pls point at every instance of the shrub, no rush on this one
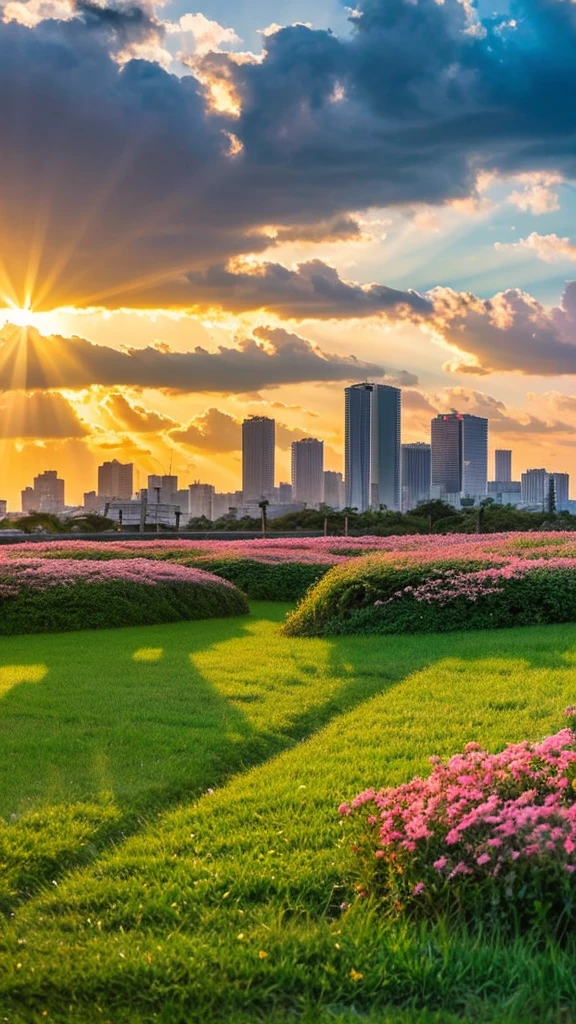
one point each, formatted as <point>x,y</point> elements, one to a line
<point>265,581</point>
<point>486,834</point>
<point>372,595</point>
<point>52,596</point>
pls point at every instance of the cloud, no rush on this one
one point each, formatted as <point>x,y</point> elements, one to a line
<point>29,360</point>
<point>402,379</point>
<point>502,419</point>
<point>311,290</point>
<point>510,332</point>
<point>38,415</point>
<point>206,34</point>
<point>214,431</point>
<point>119,414</point>
<point>537,196</point>
<point>218,432</point>
<point>119,185</point>
<point>549,248</point>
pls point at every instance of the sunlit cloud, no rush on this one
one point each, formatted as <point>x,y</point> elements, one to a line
<point>539,195</point>
<point>549,248</point>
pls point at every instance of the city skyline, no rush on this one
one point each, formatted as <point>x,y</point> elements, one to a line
<point>379,471</point>
<point>183,254</point>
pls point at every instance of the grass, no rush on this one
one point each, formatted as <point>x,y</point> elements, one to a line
<point>139,896</point>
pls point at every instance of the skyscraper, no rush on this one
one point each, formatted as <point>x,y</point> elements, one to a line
<point>415,474</point>
<point>357,429</point>
<point>334,492</point>
<point>284,493</point>
<point>446,453</point>
<point>503,465</point>
<point>162,489</point>
<point>372,446</point>
<point>92,503</point>
<point>258,442</point>
<point>475,456</point>
<point>534,487</point>
<point>385,446</point>
<point>459,455</point>
<point>201,500</point>
<point>308,472</point>
<point>561,489</point>
<point>47,495</point>
<point>115,480</point>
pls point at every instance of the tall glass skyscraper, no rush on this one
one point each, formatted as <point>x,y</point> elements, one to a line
<point>372,446</point>
<point>446,453</point>
<point>460,455</point>
<point>258,444</point>
<point>475,456</point>
<point>415,474</point>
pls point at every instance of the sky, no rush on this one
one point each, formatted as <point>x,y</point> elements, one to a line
<point>234,209</point>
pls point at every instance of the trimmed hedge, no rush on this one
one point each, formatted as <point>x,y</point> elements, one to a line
<point>259,580</point>
<point>97,597</point>
<point>369,596</point>
<point>263,581</point>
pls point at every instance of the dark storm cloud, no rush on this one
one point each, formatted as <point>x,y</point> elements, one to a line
<point>120,187</point>
<point>28,360</point>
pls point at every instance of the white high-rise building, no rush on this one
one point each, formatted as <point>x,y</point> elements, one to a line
<point>201,500</point>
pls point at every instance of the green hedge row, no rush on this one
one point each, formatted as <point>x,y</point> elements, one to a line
<point>359,599</point>
<point>262,581</point>
<point>90,605</point>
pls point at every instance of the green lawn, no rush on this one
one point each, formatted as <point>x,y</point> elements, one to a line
<point>140,896</point>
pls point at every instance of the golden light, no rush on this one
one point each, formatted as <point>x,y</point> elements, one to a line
<point>20,316</point>
<point>25,316</point>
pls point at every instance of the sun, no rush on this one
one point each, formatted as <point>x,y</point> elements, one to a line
<point>25,316</point>
<point>20,316</point>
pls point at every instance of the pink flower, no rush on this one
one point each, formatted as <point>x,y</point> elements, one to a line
<point>484,858</point>
<point>440,863</point>
<point>418,888</point>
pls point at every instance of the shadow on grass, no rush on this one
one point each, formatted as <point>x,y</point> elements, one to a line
<point>100,732</point>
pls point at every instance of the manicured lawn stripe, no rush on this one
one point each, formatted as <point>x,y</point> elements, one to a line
<point>170,925</point>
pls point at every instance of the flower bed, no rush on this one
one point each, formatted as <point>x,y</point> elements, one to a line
<point>373,595</point>
<point>285,568</point>
<point>488,834</point>
<point>50,595</point>
<point>326,551</point>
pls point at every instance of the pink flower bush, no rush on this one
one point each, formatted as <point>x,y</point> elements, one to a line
<point>39,595</point>
<point>497,548</point>
<point>41,573</point>
<point>451,584</point>
<point>483,830</point>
